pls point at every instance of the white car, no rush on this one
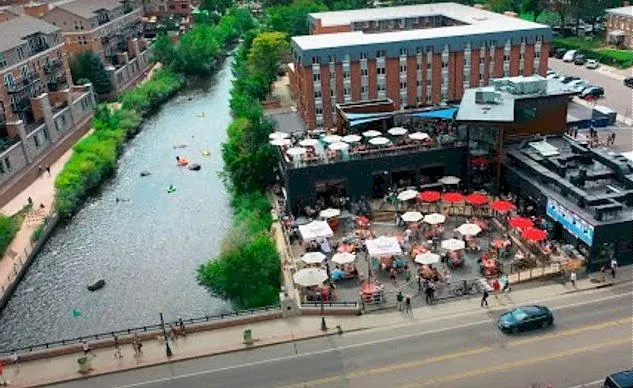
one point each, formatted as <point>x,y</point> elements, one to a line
<point>570,56</point>
<point>592,64</point>
<point>578,85</point>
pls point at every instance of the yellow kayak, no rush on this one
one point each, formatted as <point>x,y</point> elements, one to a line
<point>206,153</point>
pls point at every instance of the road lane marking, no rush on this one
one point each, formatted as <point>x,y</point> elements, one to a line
<point>589,384</point>
<point>345,347</point>
<point>577,330</point>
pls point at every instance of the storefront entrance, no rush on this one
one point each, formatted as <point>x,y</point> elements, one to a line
<point>332,193</point>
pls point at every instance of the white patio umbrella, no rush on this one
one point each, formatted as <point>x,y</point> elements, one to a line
<point>450,180</point>
<point>407,195</point>
<point>332,138</point>
<point>309,277</point>
<point>280,142</point>
<point>329,213</point>
<point>308,142</point>
<point>313,258</point>
<point>469,229</point>
<point>278,135</point>
<point>383,246</point>
<point>343,258</point>
<point>434,218</point>
<point>296,151</point>
<point>427,258</point>
<point>338,146</point>
<point>398,131</point>
<point>352,138</point>
<point>412,216</point>
<point>371,133</point>
<point>314,230</point>
<point>419,136</point>
<point>453,244</point>
<point>379,140</point>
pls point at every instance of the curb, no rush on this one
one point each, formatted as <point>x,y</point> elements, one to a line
<point>329,333</point>
<point>597,287</point>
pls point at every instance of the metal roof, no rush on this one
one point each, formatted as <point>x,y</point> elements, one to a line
<point>621,11</point>
<point>87,8</point>
<point>13,31</point>
<point>469,110</point>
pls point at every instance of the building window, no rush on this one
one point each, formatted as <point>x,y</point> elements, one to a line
<point>380,54</point>
<point>429,99</point>
<point>403,68</point>
<point>428,82</point>
<point>3,60</point>
<point>319,110</point>
<point>506,57</point>
<point>345,73</point>
<point>403,52</point>
<point>537,54</point>
<point>316,77</point>
<point>363,90</point>
<point>482,61</point>
<point>347,91</point>
<point>331,92</point>
<point>20,51</point>
<point>444,65</point>
<point>346,58</point>
<point>418,83</point>
<point>364,72</point>
<point>363,55</point>
<point>418,66</point>
<point>481,77</point>
<point>403,85</point>
<point>315,60</point>
<point>317,94</point>
<point>7,163</point>
<point>521,56</point>
<point>332,58</point>
<point>444,96</point>
<point>381,87</point>
<point>380,70</point>
<point>428,65</point>
<point>36,141</point>
<point>9,80</point>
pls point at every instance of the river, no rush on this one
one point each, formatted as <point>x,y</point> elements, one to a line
<point>146,247</point>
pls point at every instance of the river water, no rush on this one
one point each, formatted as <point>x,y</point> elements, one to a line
<point>146,247</point>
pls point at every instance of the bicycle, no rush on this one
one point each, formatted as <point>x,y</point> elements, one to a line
<point>465,288</point>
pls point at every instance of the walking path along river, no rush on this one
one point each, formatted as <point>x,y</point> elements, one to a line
<point>146,246</point>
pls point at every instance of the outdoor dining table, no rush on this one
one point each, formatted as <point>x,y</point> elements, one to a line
<point>349,248</point>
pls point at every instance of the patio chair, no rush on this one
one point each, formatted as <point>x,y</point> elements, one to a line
<point>468,211</point>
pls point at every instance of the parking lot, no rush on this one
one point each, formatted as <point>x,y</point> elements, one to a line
<point>616,96</point>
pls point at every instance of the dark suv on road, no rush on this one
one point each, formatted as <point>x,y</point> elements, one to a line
<point>628,81</point>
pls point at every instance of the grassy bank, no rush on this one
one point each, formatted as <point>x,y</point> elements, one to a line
<point>9,227</point>
<point>596,49</point>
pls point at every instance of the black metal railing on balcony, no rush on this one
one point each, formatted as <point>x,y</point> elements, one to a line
<point>53,67</point>
<point>39,47</point>
<point>23,83</point>
<point>57,84</point>
<point>21,105</point>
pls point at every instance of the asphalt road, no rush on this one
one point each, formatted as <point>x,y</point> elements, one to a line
<point>591,338</point>
<point>616,96</point>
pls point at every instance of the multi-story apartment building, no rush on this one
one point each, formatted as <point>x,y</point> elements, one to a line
<point>620,26</point>
<point>40,110</point>
<point>415,55</point>
<point>168,7</point>
<point>109,28</point>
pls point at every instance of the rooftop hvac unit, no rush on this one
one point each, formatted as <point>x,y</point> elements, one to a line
<point>487,97</point>
<point>528,86</point>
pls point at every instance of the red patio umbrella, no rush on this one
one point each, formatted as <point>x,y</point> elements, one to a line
<point>479,161</point>
<point>521,222</point>
<point>452,197</point>
<point>429,196</point>
<point>503,206</point>
<point>477,199</point>
<point>534,234</point>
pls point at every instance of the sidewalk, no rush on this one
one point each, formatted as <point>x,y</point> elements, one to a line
<point>619,117</point>
<point>615,73</point>
<point>42,191</point>
<point>277,331</point>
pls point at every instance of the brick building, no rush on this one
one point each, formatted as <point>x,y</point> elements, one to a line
<point>620,26</point>
<point>39,107</point>
<point>110,28</point>
<point>415,55</point>
<point>168,7</point>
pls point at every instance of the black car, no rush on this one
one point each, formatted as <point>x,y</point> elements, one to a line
<point>628,81</point>
<point>580,60</point>
<point>568,79</point>
<point>525,318</point>
<point>592,91</point>
<point>559,53</point>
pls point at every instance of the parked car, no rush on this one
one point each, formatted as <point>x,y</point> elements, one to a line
<point>592,91</point>
<point>525,318</point>
<point>570,56</point>
<point>628,81</point>
<point>560,53</point>
<point>550,72</point>
<point>580,60</point>
<point>567,79</point>
<point>579,85</point>
<point>592,64</point>
<point>619,380</point>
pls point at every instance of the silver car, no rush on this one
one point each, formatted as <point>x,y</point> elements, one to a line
<point>592,64</point>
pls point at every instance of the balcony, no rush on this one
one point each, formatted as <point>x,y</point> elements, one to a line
<point>57,83</point>
<point>39,46</point>
<point>20,85</point>
<point>54,67</point>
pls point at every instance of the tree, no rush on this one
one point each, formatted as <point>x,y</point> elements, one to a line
<point>164,50</point>
<point>217,6</point>
<point>198,50</point>
<point>266,54</point>
<point>90,66</point>
<point>293,19</point>
<point>535,7</point>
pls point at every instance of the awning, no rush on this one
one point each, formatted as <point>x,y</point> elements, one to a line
<point>383,246</point>
<point>353,123</point>
<point>314,230</point>
<point>617,33</point>
<point>445,114</point>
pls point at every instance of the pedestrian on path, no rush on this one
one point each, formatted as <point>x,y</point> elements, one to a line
<point>407,302</point>
<point>496,286</point>
<point>505,282</point>
<point>484,298</point>
<point>399,298</point>
<point>40,169</point>
<point>614,266</point>
<point>48,170</point>
<point>572,278</point>
<point>181,324</point>
<point>3,380</point>
<point>137,345</point>
<point>87,349</point>
<point>117,349</point>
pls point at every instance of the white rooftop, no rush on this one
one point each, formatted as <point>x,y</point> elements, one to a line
<point>622,11</point>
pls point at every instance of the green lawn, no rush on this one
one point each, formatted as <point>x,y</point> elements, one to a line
<point>597,49</point>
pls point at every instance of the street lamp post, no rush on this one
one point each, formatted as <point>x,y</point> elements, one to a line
<point>168,351</point>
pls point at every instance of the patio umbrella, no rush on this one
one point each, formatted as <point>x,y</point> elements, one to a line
<point>521,222</point>
<point>449,180</point>
<point>338,146</point>
<point>379,141</point>
<point>534,234</point>
<point>343,258</point>
<point>309,277</point>
<point>313,258</point>
<point>453,244</point>
<point>434,218</point>
<point>280,142</point>
<point>332,138</point>
<point>278,135</point>
<point>477,199</point>
<point>502,206</point>
<point>309,142</point>
<point>352,138</point>
<point>329,213</point>
<point>371,133</point>
<point>452,197</point>
<point>383,246</point>
<point>469,229</point>
<point>296,151</point>
<point>412,216</point>
<point>430,196</point>
<point>314,230</point>
<point>427,258</point>
<point>407,195</point>
<point>419,136</point>
<point>397,131</point>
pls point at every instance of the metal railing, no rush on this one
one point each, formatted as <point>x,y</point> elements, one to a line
<point>140,329</point>
<point>329,304</point>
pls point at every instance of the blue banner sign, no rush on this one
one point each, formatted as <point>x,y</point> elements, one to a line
<point>571,221</point>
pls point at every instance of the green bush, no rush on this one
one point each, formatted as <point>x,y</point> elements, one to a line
<point>8,229</point>
<point>38,233</point>
<point>595,49</point>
